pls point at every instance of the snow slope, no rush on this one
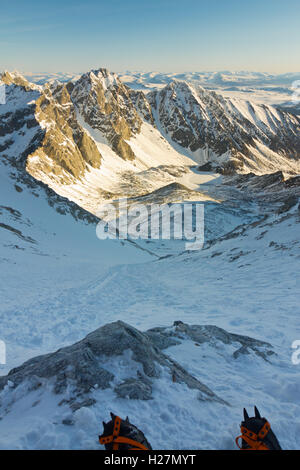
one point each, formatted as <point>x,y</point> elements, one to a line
<point>47,244</point>
<point>245,283</point>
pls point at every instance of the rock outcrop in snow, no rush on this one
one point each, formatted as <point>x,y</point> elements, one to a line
<point>125,360</point>
<point>165,337</point>
<point>88,365</point>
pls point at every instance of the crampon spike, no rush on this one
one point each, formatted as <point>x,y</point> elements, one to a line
<point>257,413</point>
<point>246,416</point>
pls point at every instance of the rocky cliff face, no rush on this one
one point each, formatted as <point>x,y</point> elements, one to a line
<point>229,132</point>
<point>98,99</point>
<point>22,136</point>
<point>105,104</point>
<point>58,146</point>
<point>66,149</point>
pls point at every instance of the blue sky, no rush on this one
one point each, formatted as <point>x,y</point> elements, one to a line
<point>160,35</point>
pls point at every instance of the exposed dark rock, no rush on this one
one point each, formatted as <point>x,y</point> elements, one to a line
<point>259,183</point>
<point>134,389</point>
<point>294,181</point>
<point>210,166</point>
<point>282,194</point>
<point>165,337</point>
<point>241,351</point>
<point>76,405</point>
<point>289,202</point>
<point>82,367</point>
<point>18,233</point>
<point>68,421</point>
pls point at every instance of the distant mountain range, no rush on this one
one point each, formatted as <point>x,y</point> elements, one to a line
<point>148,79</point>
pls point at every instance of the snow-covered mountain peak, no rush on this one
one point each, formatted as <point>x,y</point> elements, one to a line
<point>183,85</point>
<point>16,78</point>
<point>234,134</point>
<point>106,78</point>
<point>98,78</point>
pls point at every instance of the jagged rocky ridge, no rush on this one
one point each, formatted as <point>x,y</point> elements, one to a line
<point>40,126</point>
<point>232,135</point>
<point>62,147</point>
<point>20,136</point>
<point>89,364</point>
<point>106,104</point>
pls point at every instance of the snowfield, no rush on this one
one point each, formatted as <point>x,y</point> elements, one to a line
<point>247,284</point>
